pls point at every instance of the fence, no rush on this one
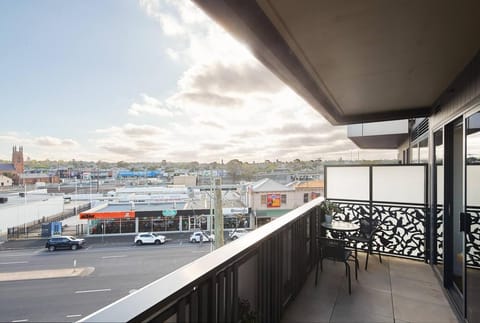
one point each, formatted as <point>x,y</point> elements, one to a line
<point>33,229</point>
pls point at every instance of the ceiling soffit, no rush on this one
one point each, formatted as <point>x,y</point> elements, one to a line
<point>358,61</point>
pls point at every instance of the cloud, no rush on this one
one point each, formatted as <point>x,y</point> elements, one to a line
<point>133,130</point>
<point>207,99</point>
<point>52,141</point>
<point>244,77</point>
<point>150,106</point>
<point>171,25</point>
<point>211,123</point>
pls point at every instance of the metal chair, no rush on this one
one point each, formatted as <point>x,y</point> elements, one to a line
<point>335,249</point>
<point>366,235</point>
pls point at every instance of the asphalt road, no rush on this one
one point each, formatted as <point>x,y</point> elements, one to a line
<point>118,271</point>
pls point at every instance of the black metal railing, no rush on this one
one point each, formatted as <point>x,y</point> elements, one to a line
<point>250,279</point>
<point>402,226</point>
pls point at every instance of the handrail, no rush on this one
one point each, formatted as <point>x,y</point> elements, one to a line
<point>131,306</point>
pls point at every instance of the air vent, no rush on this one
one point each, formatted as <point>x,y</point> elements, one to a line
<point>420,130</point>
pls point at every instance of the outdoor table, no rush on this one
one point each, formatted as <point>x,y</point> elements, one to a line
<point>340,227</point>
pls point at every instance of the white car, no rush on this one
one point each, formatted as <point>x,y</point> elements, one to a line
<point>148,238</point>
<point>237,233</point>
<point>201,236</point>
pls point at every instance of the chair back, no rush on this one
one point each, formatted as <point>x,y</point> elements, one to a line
<point>333,249</point>
<point>368,227</point>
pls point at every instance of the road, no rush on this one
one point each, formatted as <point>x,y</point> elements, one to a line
<point>118,271</point>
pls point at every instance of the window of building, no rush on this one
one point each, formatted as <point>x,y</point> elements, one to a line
<point>284,198</point>
<point>423,151</point>
<point>263,199</point>
<point>305,197</point>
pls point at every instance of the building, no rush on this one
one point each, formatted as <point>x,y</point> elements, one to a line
<point>357,63</point>
<point>186,180</point>
<point>16,167</point>
<point>33,178</point>
<point>270,200</point>
<point>5,181</point>
<point>310,190</point>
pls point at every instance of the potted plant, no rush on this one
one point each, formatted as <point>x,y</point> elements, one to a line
<point>328,208</point>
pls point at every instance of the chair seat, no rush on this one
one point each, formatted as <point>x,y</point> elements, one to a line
<point>359,239</point>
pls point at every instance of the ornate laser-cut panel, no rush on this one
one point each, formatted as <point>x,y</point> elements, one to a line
<point>402,227</point>
<point>473,238</point>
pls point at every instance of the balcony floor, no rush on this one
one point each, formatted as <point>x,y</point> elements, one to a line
<point>398,290</point>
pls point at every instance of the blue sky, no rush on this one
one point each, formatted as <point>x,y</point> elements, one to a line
<point>145,81</point>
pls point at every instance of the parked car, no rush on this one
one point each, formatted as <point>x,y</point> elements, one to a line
<point>200,236</point>
<point>148,238</point>
<point>237,233</point>
<point>64,242</point>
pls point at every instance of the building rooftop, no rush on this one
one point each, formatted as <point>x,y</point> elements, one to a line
<point>311,184</point>
<point>7,167</point>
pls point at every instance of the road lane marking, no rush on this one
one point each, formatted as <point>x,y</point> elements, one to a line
<point>74,315</point>
<point>108,257</point>
<point>13,262</point>
<point>92,291</point>
<point>25,320</point>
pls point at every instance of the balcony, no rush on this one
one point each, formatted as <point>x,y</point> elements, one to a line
<point>396,290</point>
<point>267,275</point>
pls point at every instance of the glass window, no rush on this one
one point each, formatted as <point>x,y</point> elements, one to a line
<point>263,199</point>
<point>423,151</point>
<point>284,198</point>
<point>305,197</point>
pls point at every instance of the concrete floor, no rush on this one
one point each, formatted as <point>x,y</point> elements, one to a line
<point>397,290</point>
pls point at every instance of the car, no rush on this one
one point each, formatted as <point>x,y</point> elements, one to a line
<point>237,233</point>
<point>149,238</point>
<point>64,242</point>
<point>200,236</point>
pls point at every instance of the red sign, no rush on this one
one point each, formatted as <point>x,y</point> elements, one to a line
<point>274,200</point>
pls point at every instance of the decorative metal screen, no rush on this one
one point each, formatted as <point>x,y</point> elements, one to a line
<point>472,244</point>
<point>402,224</point>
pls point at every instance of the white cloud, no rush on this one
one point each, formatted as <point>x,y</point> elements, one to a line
<point>150,106</point>
<point>52,141</point>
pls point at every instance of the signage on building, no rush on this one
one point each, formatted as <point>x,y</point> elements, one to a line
<point>274,200</point>
<point>169,212</point>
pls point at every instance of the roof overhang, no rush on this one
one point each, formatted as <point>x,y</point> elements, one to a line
<point>358,61</point>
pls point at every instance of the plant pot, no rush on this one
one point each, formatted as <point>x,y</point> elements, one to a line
<point>328,218</point>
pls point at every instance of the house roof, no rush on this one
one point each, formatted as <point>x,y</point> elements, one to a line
<point>269,185</point>
<point>311,184</point>
<point>7,168</point>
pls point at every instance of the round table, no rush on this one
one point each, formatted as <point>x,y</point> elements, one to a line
<point>340,226</point>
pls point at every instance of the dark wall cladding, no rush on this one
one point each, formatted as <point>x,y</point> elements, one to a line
<point>462,93</point>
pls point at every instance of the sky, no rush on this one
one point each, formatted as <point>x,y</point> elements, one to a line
<point>146,81</point>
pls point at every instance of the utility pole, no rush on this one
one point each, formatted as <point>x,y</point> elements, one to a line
<point>210,218</point>
<point>218,214</point>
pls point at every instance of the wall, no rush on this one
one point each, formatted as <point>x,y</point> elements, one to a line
<point>18,214</point>
<point>292,201</point>
<point>463,94</point>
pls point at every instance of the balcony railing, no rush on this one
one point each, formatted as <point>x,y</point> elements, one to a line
<point>253,277</point>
